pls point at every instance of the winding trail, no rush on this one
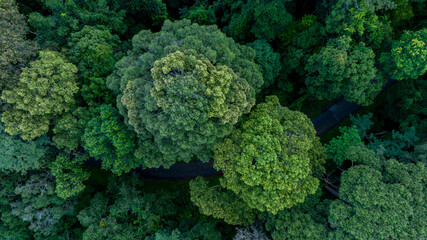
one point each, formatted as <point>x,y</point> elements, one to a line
<point>180,171</point>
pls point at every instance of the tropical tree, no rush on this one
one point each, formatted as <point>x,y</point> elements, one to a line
<point>181,91</point>
<point>275,142</point>
<point>45,89</point>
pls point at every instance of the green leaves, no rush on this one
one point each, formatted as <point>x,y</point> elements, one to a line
<point>93,50</point>
<point>46,88</point>
<point>339,146</point>
<point>408,56</point>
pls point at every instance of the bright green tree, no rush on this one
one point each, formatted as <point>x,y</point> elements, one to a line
<point>15,50</point>
<point>383,202</point>
<point>267,60</point>
<point>69,174</point>
<point>93,51</point>
<point>45,89</point>
<point>274,142</point>
<point>408,57</point>
<point>338,147</point>
<point>107,138</point>
<point>183,88</point>
<point>21,156</point>
<point>221,204</point>
<point>340,69</point>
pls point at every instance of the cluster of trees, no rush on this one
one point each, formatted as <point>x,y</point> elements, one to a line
<point>148,83</point>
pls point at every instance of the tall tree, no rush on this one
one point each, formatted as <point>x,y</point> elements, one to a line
<point>46,89</point>
<point>181,91</point>
<point>274,142</point>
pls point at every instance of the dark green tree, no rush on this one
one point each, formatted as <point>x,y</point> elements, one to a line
<point>221,204</point>
<point>70,128</point>
<point>69,174</point>
<point>183,88</point>
<point>200,12</point>
<point>107,138</point>
<point>340,69</point>
<point>37,204</point>
<point>380,199</point>
<point>274,142</point>
<point>70,16</point>
<point>21,156</point>
<point>93,50</point>
<point>338,147</point>
<point>267,60</point>
<point>254,19</point>
<point>15,50</point>
<point>360,20</point>
<point>45,89</point>
<point>306,220</point>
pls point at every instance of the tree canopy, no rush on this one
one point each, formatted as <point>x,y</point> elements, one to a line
<point>180,90</point>
<point>275,142</point>
<point>45,89</point>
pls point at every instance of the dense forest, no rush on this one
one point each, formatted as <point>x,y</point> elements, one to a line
<point>94,93</point>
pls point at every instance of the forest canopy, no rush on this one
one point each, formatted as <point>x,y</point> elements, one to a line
<point>213,119</point>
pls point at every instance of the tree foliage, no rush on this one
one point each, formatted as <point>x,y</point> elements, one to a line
<point>304,221</point>
<point>386,202</point>
<point>224,205</point>
<point>70,127</point>
<point>183,88</point>
<point>69,174</point>
<point>274,142</point>
<point>38,205</point>
<point>254,19</point>
<point>45,89</point>
<point>340,69</point>
<point>267,60</point>
<point>338,147</point>
<point>21,156</point>
<point>93,50</point>
<point>107,138</point>
<point>70,16</point>
<point>408,56</point>
<point>360,20</point>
